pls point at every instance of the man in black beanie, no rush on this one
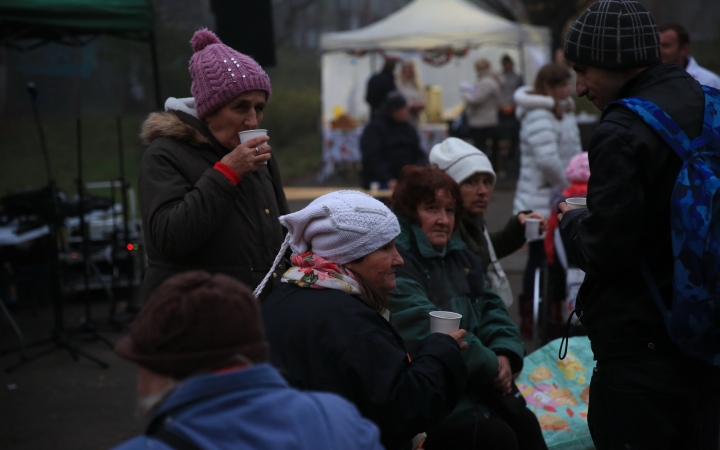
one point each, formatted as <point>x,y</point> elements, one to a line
<point>645,393</point>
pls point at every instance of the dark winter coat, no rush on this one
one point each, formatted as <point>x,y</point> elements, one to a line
<point>505,242</point>
<point>378,87</point>
<point>387,146</point>
<point>328,340</point>
<point>193,217</point>
<point>633,173</point>
<point>452,281</point>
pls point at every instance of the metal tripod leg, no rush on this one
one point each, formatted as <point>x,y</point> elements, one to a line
<point>15,326</point>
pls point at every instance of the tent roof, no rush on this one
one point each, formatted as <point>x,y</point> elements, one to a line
<point>38,18</point>
<point>426,24</point>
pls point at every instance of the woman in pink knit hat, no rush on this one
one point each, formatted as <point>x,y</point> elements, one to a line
<point>209,202</point>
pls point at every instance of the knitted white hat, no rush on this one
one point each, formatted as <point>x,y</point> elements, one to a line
<point>460,160</point>
<point>341,227</point>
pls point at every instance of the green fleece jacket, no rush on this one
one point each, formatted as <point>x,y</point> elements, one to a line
<point>452,281</point>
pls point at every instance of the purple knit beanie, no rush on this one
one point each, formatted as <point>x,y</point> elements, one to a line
<point>220,73</point>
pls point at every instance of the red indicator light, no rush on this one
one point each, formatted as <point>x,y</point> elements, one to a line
<point>129,247</point>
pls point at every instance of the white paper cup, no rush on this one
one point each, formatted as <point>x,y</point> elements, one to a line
<point>444,322</point>
<point>375,188</point>
<point>250,134</point>
<point>532,229</point>
<point>576,203</point>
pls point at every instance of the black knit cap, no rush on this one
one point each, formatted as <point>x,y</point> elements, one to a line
<point>614,34</point>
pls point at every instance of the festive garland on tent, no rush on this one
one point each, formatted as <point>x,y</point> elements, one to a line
<point>357,53</point>
<point>441,56</point>
<point>437,57</point>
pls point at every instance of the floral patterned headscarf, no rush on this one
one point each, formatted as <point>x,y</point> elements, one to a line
<point>312,271</point>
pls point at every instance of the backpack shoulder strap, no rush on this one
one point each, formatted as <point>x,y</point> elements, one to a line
<point>659,120</point>
<point>712,109</point>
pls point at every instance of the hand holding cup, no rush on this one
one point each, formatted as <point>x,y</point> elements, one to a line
<point>245,158</point>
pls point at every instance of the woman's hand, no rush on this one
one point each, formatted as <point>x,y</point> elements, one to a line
<point>459,335</point>
<point>503,380</point>
<point>245,158</point>
<point>522,217</point>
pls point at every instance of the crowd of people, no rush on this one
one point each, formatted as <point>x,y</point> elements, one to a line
<point>263,328</point>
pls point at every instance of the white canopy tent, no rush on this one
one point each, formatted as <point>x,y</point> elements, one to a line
<point>420,26</point>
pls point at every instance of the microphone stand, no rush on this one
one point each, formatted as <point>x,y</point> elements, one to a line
<point>89,325</point>
<point>59,336</point>
<point>131,307</point>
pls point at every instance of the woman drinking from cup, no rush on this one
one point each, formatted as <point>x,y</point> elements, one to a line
<point>440,273</point>
<point>327,326</point>
<point>209,202</point>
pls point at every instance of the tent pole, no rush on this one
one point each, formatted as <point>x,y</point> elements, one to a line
<point>156,71</point>
<point>521,52</point>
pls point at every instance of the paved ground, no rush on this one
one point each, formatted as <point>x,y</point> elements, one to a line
<point>55,403</point>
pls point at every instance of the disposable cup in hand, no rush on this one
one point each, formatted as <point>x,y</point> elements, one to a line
<point>444,322</point>
<point>250,134</point>
<point>576,202</point>
<point>532,229</point>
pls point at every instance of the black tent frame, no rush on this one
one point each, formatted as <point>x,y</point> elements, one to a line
<point>27,37</point>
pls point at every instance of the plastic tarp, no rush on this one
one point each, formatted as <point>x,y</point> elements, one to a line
<point>558,392</point>
<point>80,15</point>
<point>426,25</point>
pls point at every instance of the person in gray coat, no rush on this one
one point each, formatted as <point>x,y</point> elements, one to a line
<point>207,201</point>
<point>482,100</point>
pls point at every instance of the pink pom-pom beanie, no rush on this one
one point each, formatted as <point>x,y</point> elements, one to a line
<point>578,169</point>
<point>220,73</point>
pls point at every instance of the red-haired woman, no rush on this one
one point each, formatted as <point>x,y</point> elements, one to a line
<point>440,273</point>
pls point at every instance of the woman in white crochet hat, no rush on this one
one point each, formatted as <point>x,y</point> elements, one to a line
<point>472,170</point>
<point>327,323</point>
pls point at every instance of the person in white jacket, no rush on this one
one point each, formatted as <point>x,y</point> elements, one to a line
<point>482,102</point>
<point>549,138</point>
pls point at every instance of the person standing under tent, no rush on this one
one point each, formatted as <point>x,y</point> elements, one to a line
<point>482,100</point>
<point>410,86</point>
<point>380,85</point>
<point>389,143</point>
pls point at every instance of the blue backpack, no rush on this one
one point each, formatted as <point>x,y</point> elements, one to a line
<point>693,320</point>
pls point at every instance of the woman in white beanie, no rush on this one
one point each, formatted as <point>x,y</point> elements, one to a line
<point>327,323</point>
<point>472,170</point>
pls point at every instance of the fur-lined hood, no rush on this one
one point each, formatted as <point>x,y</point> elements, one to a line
<point>526,101</point>
<point>167,124</point>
